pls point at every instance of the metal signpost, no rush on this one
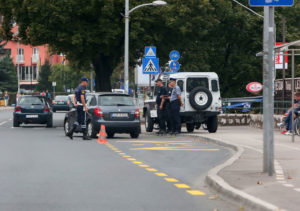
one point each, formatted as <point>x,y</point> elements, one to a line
<point>268,72</point>
<point>54,85</point>
<point>174,64</point>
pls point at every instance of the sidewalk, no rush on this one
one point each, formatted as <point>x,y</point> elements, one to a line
<point>2,108</point>
<point>245,174</point>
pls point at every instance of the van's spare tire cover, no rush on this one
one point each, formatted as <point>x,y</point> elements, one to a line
<point>200,98</point>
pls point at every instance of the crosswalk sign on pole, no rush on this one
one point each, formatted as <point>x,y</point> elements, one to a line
<point>150,52</point>
<point>150,66</point>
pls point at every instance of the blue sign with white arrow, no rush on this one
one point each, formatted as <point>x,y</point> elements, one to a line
<point>279,3</point>
<point>150,52</point>
<point>150,66</point>
<point>174,66</point>
<point>174,55</point>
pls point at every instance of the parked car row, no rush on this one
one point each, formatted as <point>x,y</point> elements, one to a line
<point>116,111</point>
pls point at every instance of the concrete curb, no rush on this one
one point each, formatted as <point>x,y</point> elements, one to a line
<point>6,108</point>
<point>222,187</point>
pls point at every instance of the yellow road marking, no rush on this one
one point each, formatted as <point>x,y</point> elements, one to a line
<point>126,156</point>
<point>196,192</point>
<point>131,159</point>
<point>154,142</point>
<point>151,169</point>
<point>171,179</point>
<point>161,174</point>
<point>118,151</point>
<point>182,186</point>
<point>144,166</point>
<point>137,162</point>
<point>173,149</point>
<point>122,153</point>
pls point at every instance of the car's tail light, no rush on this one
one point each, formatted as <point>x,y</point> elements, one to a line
<point>53,102</point>
<point>46,109</point>
<point>137,113</point>
<point>68,102</point>
<point>18,108</point>
<point>98,112</point>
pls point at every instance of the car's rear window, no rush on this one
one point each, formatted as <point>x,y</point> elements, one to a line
<point>61,97</point>
<point>195,82</point>
<point>31,100</point>
<point>115,100</point>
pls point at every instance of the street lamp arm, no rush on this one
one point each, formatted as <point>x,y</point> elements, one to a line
<point>142,5</point>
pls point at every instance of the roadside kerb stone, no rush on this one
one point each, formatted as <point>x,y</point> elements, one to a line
<point>222,187</point>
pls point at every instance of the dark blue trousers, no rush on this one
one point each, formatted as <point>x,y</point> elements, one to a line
<point>176,121</point>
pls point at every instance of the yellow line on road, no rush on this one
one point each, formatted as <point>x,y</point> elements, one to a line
<point>122,153</point>
<point>137,162</point>
<point>144,166</point>
<point>155,142</point>
<point>151,169</point>
<point>126,156</point>
<point>171,179</point>
<point>131,159</point>
<point>182,186</point>
<point>161,174</point>
<point>173,148</point>
<point>196,192</point>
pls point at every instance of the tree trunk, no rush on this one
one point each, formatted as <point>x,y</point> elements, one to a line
<point>103,73</point>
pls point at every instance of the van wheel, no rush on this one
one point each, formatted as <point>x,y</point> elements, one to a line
<point>212,124</point>
<point>200,98</point>
<point>190,127</point>
<point>148,123</point>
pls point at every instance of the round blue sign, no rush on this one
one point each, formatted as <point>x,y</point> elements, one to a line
<point>174,55</point>
<point>174,66</point>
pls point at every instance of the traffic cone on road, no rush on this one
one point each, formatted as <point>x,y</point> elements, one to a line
<point>102,135</point>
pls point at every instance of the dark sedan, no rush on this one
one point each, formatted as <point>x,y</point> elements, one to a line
<point>116,111</point>
<point>62,103</point>
<point>32,110</point>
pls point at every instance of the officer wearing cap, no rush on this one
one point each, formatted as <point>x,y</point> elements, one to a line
<point>167,105</point>
<point>161,112</point>
<point>176,102</point>
<point>79,101</point>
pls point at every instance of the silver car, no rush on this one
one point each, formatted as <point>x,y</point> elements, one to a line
<point>116,111</point>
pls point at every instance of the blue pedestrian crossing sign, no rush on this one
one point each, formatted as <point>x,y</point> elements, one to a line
<point>174,55</point>
<point>174,66</point>
<point>150,65</point>
<point>279,3</point>
<point>150,52</point>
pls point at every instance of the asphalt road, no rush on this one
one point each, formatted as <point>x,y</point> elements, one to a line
<point>41,169</point>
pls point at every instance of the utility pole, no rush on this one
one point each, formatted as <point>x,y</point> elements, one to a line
<point>283,71</point>
<point>268,103</point>
<point>126,56</point>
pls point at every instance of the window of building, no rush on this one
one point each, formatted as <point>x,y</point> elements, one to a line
<point>35,51</point>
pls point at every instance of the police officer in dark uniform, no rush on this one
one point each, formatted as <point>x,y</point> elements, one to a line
<point>176,103</point>
<point>167,105</point>
<point>161,112</point>
<point>81,108</point>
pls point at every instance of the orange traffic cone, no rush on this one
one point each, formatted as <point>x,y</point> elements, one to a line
<point>102,135</point>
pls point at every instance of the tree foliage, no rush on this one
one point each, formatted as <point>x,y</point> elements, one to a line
<point>212,35</point>
<point>8,75</point>
<point>44,78</point>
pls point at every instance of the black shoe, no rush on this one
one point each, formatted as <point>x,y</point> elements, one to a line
<point>85,137</point>
<point>70,134</point>
<point>176,133</point>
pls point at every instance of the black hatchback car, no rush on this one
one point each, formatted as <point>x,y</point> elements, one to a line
<point>32,110</point>
<point>116,111</point>
<point>62,103</point>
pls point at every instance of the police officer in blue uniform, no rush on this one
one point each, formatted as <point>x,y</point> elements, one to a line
<point>167,104</point>
<point>176,103</point>
<point>81,108</point>
<point>161,109</point>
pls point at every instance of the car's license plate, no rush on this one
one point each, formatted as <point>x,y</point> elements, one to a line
<point>119,115</point>
<point>32,116</point>
<point>60,102</point>
<point>153,113</point>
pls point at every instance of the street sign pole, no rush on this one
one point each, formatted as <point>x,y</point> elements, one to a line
<point>268,102</point>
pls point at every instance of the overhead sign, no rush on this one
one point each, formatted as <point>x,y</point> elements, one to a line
<point>150,52</point>
<point>174,55</point>
<point>174,66</point>
<point>150,65</point>
<point>254,87</point>
<point>54,83</point>
<point>278,3</point>
<point>279,59</point>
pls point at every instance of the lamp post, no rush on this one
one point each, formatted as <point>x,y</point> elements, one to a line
<point>126,53</point>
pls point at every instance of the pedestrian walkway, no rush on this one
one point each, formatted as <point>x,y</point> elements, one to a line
<point>2,108</point>
<point>246,174</point>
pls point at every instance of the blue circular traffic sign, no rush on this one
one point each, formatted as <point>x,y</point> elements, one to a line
<point>174,55</point>
<point>174,66</point>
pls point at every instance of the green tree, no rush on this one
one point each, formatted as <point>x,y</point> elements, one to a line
<point>8,75</point>
<point>44,78</point>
